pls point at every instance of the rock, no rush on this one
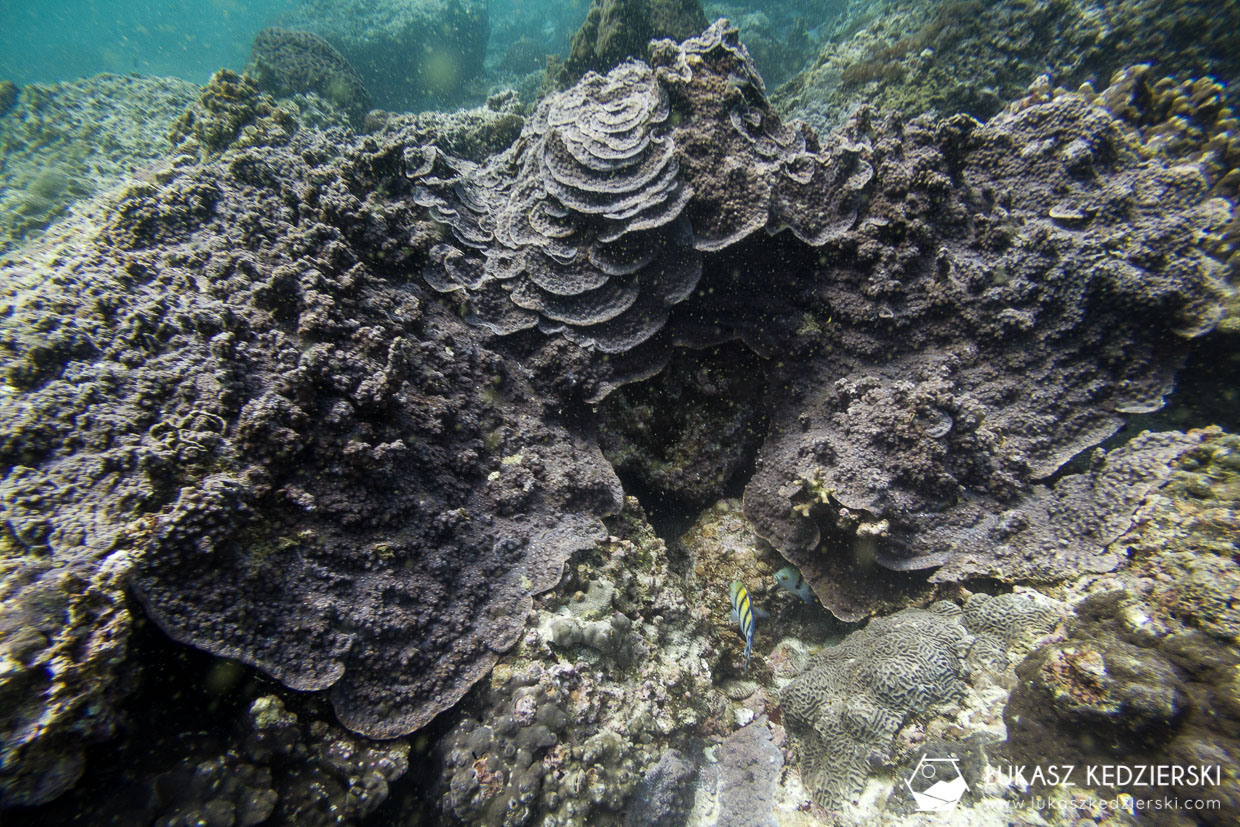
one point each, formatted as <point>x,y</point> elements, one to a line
<point>411,56</point>
<point>285,63</point>
<point>616,30</point>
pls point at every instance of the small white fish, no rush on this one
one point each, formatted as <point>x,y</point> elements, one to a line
<point>790,578</point>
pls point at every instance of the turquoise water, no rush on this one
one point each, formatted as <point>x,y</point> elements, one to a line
<point>54,40</point>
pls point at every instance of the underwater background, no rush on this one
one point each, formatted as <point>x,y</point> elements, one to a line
<point>627,412</point>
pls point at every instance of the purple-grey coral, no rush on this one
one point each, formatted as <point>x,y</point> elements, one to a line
<point>986,301</point>
<point>615,30</point>
<point>593,223</point>
<point>1010,293</point>
<point>576,229</point>
<point>321,473</point>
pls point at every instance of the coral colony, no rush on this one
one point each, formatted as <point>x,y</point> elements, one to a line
<point>341,401</point>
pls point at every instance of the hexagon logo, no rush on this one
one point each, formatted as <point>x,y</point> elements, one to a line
<point>936,784</point>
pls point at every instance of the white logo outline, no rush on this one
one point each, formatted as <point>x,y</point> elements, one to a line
<point>941,796</point>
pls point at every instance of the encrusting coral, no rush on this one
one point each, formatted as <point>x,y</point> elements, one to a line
<point>231,112</point>
<point>311,463</point>
<point>598,225</point>
<point>906,442</point>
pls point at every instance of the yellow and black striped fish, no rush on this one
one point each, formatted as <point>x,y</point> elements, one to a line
<point>742,613</point>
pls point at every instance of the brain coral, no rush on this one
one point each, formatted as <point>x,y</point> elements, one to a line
<point>287,62</point>
<point>859,693</point>
<point>845,710</point>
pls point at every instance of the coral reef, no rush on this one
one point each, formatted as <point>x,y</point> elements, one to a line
<point>846,709</point>
<point>1148,669</point>
<point>301,772</point>
<point>592,224</point>
<point>604,168</point>
<point>323,474</point>
<point>411,56</point>
<point>663,797</point>
<point>63,142</point>
<point>472,134</point>
<point>207,744</point>
<point>950,56</point>
<point>721,547</point>
<point>285,63</point>
<point>319,401</point>
<point>62,640</point>
<point>616,30</point>
<point>1188,122</point>
<point>776,36</point>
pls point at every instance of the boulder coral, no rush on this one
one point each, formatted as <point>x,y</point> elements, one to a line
<point>287,62</point>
